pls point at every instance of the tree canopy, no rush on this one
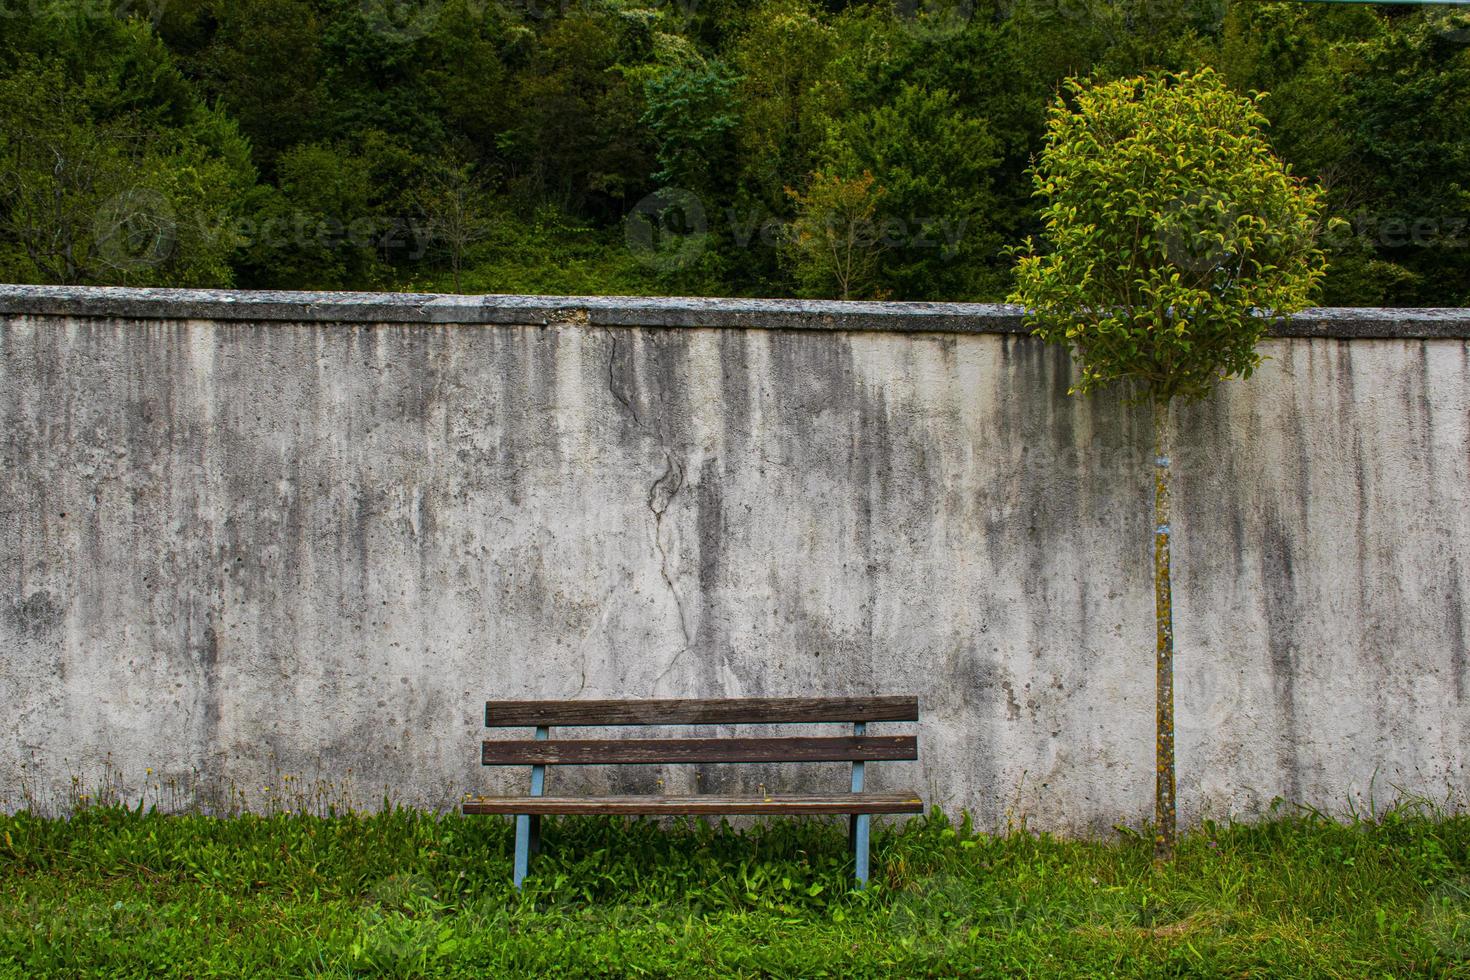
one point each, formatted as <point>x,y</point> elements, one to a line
<point>494,147</point>
<point>1172,234</point>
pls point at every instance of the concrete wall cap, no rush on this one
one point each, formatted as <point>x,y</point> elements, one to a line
<point>265,306</point>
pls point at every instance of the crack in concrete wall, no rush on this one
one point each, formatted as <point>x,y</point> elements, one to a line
<point>660,495</point>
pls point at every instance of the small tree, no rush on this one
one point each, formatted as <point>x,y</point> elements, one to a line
<point>834,243</point>
<point>456,214</point>
<point>1174,236</point>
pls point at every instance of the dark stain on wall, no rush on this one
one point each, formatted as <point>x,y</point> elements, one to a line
<point>1278,592</point>
<point>36,616</point>
<point>1455,628</point>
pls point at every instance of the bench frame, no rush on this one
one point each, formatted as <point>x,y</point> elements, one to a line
<point>858,749</point>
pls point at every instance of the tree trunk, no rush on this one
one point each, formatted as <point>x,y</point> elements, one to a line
<point>1164,815</point>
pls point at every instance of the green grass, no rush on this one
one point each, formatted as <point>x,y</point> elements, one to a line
<point>128,893</point>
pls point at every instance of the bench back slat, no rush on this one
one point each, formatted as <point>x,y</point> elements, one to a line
<point>641,751</point>
<point>714,711</point>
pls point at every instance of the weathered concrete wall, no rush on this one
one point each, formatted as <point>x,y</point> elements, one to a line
<point>256,544</point>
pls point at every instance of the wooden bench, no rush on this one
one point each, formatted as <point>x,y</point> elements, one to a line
<point>857,748</point>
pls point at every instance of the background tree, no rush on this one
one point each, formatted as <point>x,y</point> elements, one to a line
<point>456,213</point>
<point>94,191</point>
<point>317,227</point>
<point>933,162</point>
<point>1377,108</point>
<point>260,59</point>
<point>1173,237</point>
<point>834,243</point>
<point>578,128</point>
<point>691,116</point>
<point>783,59</point>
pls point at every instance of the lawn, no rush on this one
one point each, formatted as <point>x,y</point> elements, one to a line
<point>124,892</point>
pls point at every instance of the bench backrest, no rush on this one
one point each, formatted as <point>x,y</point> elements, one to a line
<point>543,715</point>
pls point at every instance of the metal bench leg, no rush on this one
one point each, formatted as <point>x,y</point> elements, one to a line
<point>523,848</point>
<point>528,827</point>
<point>857,824</point>
<point>861,847</point>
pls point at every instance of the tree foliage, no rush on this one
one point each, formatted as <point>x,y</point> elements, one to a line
<point>834,243</point>
<point>570,117</point>
<point>932,161</point>
<point>98,188</point>
<point>1172,233</point>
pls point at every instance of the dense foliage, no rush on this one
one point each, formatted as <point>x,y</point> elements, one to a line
<point>115,892</point>
<point>1169,226</point>
<point>694,146</point>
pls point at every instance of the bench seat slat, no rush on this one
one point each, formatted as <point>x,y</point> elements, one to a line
<point>671,805</point>
<point>643,751</point>
<point>715,711</point>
